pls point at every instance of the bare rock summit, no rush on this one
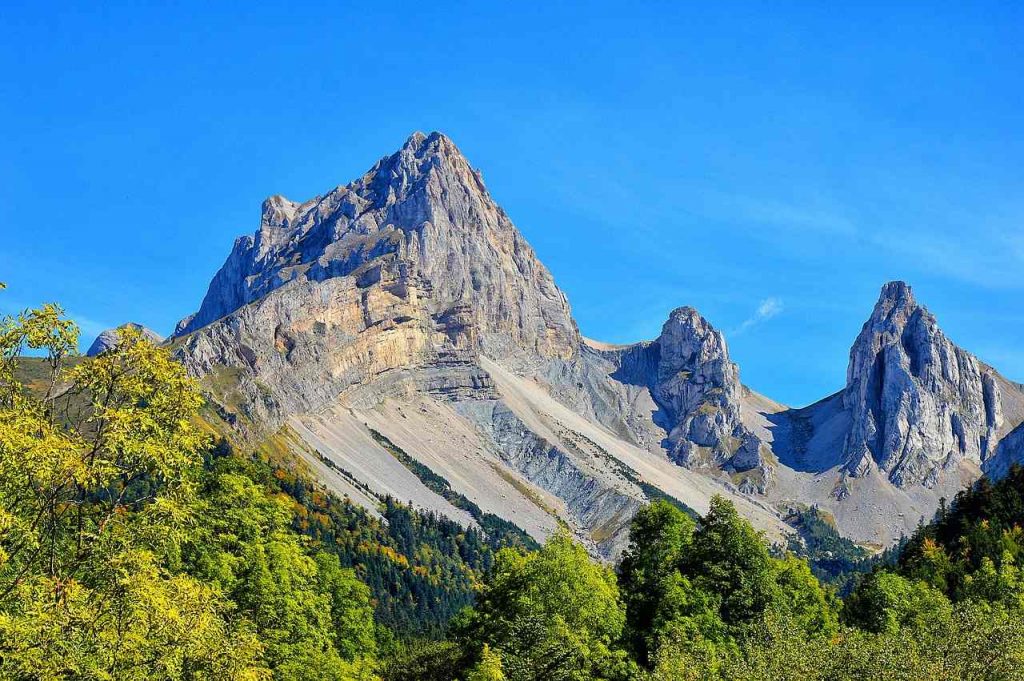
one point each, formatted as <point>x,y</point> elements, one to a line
<point>108,338</point>
<point>919,404</point>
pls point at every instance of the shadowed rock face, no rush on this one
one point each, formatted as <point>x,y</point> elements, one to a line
<point>108,339</point>
<point>919,403</point>
<point>1009,452</point>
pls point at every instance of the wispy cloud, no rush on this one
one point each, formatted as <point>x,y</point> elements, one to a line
<point>802,218</point>
<point>768,308</point>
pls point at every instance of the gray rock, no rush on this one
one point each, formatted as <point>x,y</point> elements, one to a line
<point>919,403</point>
<point>108,339</point>
<point>699,388</point>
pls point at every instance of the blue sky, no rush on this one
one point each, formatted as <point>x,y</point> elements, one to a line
<point>770,165</point>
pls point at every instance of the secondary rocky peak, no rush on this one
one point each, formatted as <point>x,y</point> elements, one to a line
<point>687,341</point>
<point>919,403</point>
<point>699,389</point>
<point>109,338</point>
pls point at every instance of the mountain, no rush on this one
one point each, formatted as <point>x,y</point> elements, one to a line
<point>918,403</point>
<point>917,420</point>
<point>398,330</point>
<point>108,338</point>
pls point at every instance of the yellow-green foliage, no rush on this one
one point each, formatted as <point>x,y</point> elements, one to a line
<point>114,566</point>
<point>91,504</point>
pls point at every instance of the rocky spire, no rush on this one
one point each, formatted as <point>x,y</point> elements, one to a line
<point>918,403</point>
<point>699,388</point>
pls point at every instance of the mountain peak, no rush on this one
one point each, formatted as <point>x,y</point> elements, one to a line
<point>421,227</point>
<point>109,338</point>
<point>919,402</point>
<point>687,337</point>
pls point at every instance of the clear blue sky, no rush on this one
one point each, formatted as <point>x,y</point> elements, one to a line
<point>788,159</point>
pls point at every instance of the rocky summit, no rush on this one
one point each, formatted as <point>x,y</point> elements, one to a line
<point>401,323</point>
<point>108,338</point>
<point>918,403</point>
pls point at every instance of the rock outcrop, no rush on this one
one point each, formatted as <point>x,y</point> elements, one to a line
<point>699,388</point>
<point>919,404</point>
<point>108,339</point>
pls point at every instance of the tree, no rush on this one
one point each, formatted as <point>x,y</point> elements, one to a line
<point>729,559</point>
<point>488,668</point>
<point>800,599</point>
<point>659,536</point>
<point>552,614</point>
<point>97,472</point>
<point>885,602</point>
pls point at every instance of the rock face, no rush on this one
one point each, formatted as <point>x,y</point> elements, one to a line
<point>698,390</point>
<point>918,403</point>
<point>420,234</point>
<point>108,339</point>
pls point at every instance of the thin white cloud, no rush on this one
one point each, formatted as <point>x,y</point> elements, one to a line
<point>824,220</point>
<point>768,308</point>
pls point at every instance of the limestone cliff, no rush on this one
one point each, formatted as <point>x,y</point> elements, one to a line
<point>918,403</point>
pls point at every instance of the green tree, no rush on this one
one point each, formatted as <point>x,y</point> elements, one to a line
<point>97,477</point>
<point>729,559</point>
<point>659,537</point>
<point>885,602</point>
<point>553,614</point>
<point>488,668</point>
<point>801,600</point>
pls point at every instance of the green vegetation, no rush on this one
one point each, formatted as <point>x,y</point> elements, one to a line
<point>135,545</point>
<point>501,531</point>
<point>834,559</point>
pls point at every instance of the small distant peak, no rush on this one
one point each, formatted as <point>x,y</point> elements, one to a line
<point>109,338</point>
